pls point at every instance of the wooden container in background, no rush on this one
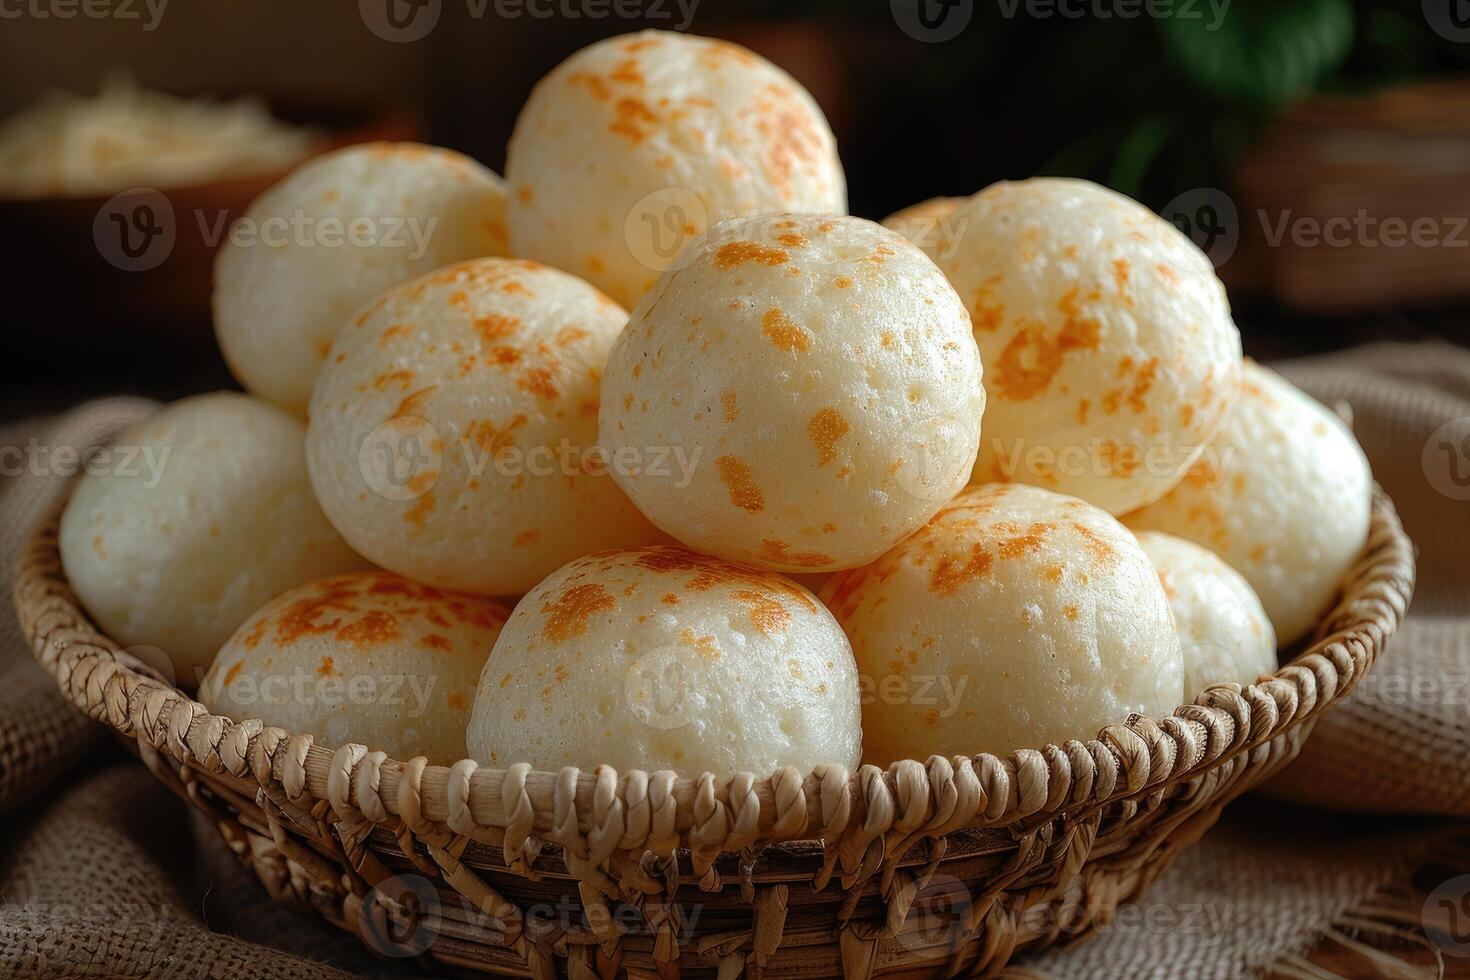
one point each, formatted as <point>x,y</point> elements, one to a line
<point>1355,204</point>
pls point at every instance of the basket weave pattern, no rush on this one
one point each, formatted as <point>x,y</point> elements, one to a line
<point>945,867</point>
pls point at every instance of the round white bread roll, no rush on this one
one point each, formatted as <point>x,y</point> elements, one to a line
<point>1110,355</point>
<point>638,143</point>
<point>818,374</point>
<point>206,514</point>
<point>660,658</point>
<point>1283,493</point>
<point>331,236</point>
<point>453,433</point>
<point>1224,633</point>
<point>929,224</point>
<point>367,657</point>
<point>1015,618</point>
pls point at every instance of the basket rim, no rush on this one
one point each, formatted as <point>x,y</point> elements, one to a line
<point>594,813</point>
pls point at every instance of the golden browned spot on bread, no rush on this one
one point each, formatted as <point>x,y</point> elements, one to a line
<point>594,84</point>
<point>539,381</point>
<point>792,240</point>
<point>842,282</point>
<point>708,572</point>
<point>528,537</point>
<point>738,253</point>
<point>985,313</point>
<point>744,493</point>
<point>325,668</point>
<point>1021,544</point>
<point>952,571</point>
<point>233,672</point>
<point>1031,359</point>
<point>767,613</point>
<point>491,438</point>
<point>456,701</point>
<point>1120,273</point>
<point>785,332</point>
<point>413,404</point>
<point>495,326</point>
<point>370,629</point>
<point>634,120</point>
<point>780,551</point>
<point>825,429</point>
<point>1099,549</point>
<point>419,512</point>
<point>729,411</point>
<point>567,616</point>
<point>436,642</point>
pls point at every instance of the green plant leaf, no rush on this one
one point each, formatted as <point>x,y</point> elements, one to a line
<point>1260,53</point>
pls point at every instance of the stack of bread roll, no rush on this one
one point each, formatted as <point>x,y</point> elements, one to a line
<point>989,475</point>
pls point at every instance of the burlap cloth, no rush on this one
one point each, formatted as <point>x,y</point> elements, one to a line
<point>104,873</point>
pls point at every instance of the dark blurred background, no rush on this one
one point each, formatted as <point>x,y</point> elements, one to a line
<point>1248,122</point>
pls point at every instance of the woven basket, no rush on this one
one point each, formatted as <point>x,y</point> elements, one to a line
<point>944,867</point>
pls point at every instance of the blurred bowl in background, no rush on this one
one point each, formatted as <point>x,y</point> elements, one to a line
<point>129,276</point>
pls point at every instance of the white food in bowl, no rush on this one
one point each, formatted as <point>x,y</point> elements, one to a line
<point>1015,618</point>
<point>453,433</point>
<point>366,657</point>
<point>817,375</point>
<point>1224,633</point>
<point>660,658</point>
<point>332,235</point>
<point>637,144</point>
<point>1283,493</point>
<point>205,513</point>
<point>1110,355</point>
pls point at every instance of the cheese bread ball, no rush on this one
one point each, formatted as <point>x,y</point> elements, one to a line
<point>204,512</point>
<point>635,145</point>
<point>332,235</point>
<point>928,224</point>
<point>1109,351</point>
<point>1224,634</point>
<point>818,373</point>
<point>1015,618</point>
<point>366,657</point>
<point>1283,493</point>
<point>453,434</point>
<point>660,658</point>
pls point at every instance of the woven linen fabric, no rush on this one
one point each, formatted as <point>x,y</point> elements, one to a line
<point>105,873</point>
